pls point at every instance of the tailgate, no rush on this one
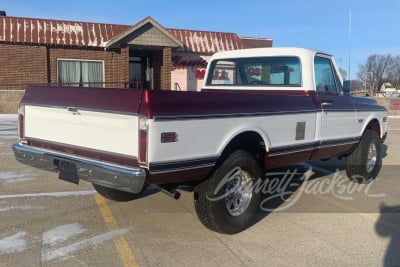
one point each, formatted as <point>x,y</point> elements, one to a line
<point>83,119</point>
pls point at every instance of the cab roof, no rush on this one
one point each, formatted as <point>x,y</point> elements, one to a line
<point>270,51</point>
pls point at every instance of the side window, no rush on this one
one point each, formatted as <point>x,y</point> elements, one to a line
<point>325,78</point>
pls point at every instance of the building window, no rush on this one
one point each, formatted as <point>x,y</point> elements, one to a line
<point>80,73</point>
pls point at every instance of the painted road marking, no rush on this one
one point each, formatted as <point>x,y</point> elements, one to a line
<point>69,249</point>
<point>120,242</point>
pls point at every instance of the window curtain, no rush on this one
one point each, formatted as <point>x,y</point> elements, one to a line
<point>69,72</point>
<point>92,74</point>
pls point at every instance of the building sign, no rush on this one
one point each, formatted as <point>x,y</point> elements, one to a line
<point>200,73</point>
<point>221,75</point>
<point>253,71</point>
<point>197,64</point>
<point>180,62</point>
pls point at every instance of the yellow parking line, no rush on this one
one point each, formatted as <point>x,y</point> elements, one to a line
<point>120,242</point>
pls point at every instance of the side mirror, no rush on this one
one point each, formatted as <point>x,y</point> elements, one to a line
<point>346,86</point>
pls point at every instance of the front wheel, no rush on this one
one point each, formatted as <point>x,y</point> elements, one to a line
<point>364,163</point>
<point>228,201</point>
<point>116,195</point>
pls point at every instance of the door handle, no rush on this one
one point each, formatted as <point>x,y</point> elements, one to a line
<point>74,110</point>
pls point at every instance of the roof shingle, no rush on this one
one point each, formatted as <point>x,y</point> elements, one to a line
<point>87,34</point>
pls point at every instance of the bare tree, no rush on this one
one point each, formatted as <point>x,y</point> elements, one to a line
<point>393,72</point>
<point>374,73</point>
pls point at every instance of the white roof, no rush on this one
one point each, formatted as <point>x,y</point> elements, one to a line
<point>305,55</point>
<point>271,51</point>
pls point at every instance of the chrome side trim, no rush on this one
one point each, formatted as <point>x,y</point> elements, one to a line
<point>102,173</point>
<point>190,164</point>
<point>231,115</point>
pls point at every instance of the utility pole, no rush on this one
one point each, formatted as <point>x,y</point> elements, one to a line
<point>350,47</point>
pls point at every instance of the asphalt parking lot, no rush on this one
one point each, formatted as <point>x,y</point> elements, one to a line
<point>323,221</point>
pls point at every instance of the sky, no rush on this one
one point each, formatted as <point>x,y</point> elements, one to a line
<point>351,30</point>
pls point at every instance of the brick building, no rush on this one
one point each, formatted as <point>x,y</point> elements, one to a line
<point>145,55</point>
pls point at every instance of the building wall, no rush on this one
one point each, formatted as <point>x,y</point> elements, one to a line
<point>116,63</point>
<point>166,67</point>
<point>188,78</point>
<point>9,101</point>
<point>22,64</point>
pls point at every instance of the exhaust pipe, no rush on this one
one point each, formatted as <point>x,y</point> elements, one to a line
<point>169,191</point>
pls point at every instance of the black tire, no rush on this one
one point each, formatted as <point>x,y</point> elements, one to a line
<point>221,210</point>
<point>117,195</point>
<point>364,163</point>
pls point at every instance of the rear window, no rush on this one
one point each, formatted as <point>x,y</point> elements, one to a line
<point>255,71</point>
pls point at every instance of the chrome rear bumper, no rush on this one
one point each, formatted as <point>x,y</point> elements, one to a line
<point>105,174</point>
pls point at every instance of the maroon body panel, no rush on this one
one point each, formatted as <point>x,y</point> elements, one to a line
<point>333,151</point>
<point>158,103</point>
<point>286,159</point>
<point>225,103</point>
<point>85,152</point>
<point>179,176</point>
<point>317,153</point>
<point>102,99</point>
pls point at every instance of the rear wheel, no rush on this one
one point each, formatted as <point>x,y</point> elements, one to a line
<point>228,201</point>
<point>117,195</point>
<point>364,163</point>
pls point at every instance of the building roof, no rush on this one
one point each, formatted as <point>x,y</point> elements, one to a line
<point>147,24</point>
<point>101,35</point>
<point>207,42</point>
<point>57,32</point>
<point>251,42</point>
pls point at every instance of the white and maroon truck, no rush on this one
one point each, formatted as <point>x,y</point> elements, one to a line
<point>258,109</point>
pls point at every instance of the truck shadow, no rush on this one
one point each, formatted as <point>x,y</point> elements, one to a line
<point>388,226</point>
<point>282,184</point>
<point>384,149</point>
<point>282,187</point>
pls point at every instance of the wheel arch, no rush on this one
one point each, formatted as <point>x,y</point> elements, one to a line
<point>373,125</point>
<point>250,140</point>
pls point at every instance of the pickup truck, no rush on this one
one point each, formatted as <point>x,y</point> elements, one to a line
<point>258,109</point>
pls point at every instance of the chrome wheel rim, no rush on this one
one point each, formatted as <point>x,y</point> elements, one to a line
<point>239,192</point>
<point>371,157</point>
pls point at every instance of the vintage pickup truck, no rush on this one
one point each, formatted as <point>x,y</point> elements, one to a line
<point>258,109</point>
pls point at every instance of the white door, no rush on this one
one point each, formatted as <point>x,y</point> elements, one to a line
<point>337,110</point>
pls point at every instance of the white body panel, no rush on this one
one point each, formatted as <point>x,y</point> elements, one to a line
<point>213,134</point>
<point>337,125</point>
<point>362,117</point>
<point>114,133</point>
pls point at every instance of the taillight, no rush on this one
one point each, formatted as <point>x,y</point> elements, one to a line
<point>21,121</point>
<point>143,128</point>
